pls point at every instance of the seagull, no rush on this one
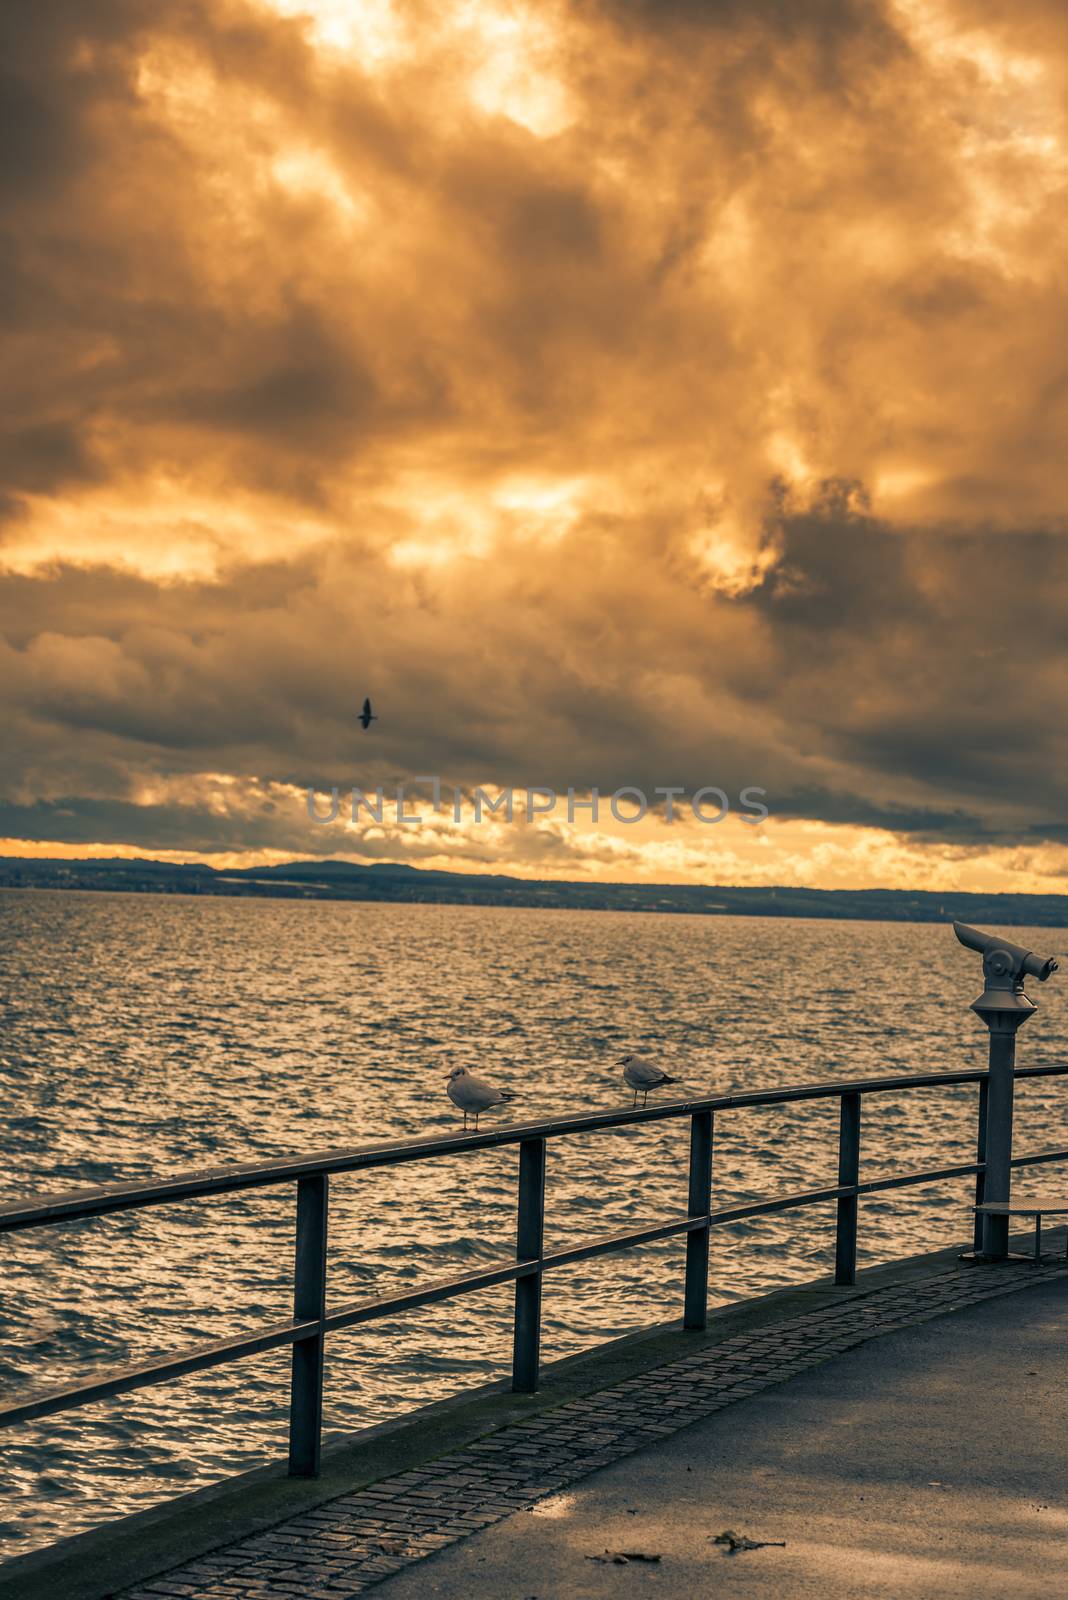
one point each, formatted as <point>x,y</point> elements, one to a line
<point>641,1076</point>
<point>474,1094</point>
<point>367,716</point>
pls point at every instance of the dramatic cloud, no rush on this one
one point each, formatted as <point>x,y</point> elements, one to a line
<point>621,393</point>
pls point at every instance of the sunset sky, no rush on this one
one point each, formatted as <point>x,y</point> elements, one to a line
<point>623,392</point>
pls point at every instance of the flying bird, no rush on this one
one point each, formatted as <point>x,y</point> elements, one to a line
<point>641,1076</point>
<point>367,716</point>
<point>474,1095</point>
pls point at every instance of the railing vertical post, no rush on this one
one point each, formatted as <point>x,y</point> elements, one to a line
<point>845,1241</point>
<point>980,1156</point>
<point>309,1301</point>
<point>999,1129</point>
<point>529,1246</point>
<point>695,1304</point>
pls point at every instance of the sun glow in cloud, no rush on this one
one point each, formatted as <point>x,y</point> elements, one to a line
<point>502,53</point>
<point>372,30</point>
<point>173,533</point>
<point>514,77</point>
<point>306,172</point>
<point>1008,102</point>
<point>784,854</point>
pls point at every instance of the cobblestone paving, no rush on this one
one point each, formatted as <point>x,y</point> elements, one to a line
<point>356,1540</point>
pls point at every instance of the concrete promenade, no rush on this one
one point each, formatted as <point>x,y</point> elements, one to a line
<point>928,1464</point>
<point>905,1438</point>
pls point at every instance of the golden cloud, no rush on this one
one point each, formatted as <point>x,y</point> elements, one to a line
<point>622,392</point>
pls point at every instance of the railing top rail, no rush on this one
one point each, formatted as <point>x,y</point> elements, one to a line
<point>33,1212</point>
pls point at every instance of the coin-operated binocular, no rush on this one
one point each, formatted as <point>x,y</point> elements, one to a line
<point>1005,966</point>
<point>1003,1006</point>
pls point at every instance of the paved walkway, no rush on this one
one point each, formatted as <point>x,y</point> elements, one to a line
<point>918,1467</point>
<point>929,1465</point>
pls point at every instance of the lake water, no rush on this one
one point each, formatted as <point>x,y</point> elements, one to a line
<point>144,1035</point>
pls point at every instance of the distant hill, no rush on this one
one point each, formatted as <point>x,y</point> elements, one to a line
<point>342,880</point>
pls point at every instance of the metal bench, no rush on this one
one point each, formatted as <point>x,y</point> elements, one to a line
<point>1042,1207</point>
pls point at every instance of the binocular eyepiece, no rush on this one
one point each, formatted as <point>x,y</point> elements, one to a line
<point>1004,960</point>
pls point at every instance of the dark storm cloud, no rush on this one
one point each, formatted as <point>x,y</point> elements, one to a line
<point>927,654</point>
<point>823,805</point>
<point>830,21</point>
<point>49,92</point>
<point>118,319</point>
<point>75,820</point>
<point>301,380</point>
<point>930,727</point>
<point>44,456</point>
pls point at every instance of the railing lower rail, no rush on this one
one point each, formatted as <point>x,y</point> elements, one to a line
<point>311,1321</point>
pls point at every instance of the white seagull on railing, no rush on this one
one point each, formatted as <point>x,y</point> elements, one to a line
<point>474,1095</point>
<point>641,1076</point>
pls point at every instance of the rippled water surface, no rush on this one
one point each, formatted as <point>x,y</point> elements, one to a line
<point>143,1035</point>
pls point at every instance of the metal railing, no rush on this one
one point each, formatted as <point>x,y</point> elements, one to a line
<point>306,1331</point>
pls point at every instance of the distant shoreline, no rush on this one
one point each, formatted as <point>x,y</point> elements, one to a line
<point>392,883</point>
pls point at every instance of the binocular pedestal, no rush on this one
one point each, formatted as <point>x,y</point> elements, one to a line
<point>997,1183</point>
<point>1004,1007</point>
